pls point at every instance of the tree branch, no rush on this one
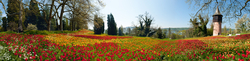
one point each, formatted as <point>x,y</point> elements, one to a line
<point>203,7</point>
<point>243,7</point>
<point>6,10</point>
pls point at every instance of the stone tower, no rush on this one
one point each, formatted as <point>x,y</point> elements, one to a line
<point>217,19</point>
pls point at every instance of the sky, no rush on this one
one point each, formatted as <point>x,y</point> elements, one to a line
<point>166,13</point>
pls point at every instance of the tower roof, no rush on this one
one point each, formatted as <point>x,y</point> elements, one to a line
<point>217,12</point>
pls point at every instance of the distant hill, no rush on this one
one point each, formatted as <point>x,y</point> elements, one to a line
<point>177,29</point>
<point>172,29</point>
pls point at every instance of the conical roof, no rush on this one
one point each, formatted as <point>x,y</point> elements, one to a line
<point>217,12</point>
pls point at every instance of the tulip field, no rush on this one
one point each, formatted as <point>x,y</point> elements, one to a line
<point>85,46</point>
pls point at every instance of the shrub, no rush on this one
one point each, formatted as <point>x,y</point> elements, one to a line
<point>31,27</point>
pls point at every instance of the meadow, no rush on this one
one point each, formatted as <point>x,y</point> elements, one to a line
<point>85,46</point>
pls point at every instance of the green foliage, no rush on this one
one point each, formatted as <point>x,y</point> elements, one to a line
<point>33,13</point>
<point>243,24</point>
<point>8,32</point>
<point>225,31</point>
<point>121,31</point>
<point>144,27</point>
<point>200,28</point>
<point>12,26</point>
<point>129,31</point>
<point>98,25</point>
<point>31,27</point>
<point>66,24</point>
<point>4,25</point>
<point>13,7</point>
<point>112,29</point>
<point>41,24</point>
<point>160,34</point>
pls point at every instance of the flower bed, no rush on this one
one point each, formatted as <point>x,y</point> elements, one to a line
<point>34,47</point>
<point>103,37</point>
<point>94,48</point>
<point>244,37</point>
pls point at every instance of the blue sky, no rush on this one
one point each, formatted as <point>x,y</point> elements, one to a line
<point>166,13</point>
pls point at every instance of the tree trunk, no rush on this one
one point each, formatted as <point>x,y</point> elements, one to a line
<point>61,15</point>
<point>48,25</point>
<point>71,24</point>
<point>20,28</point>
<point>57,25</point>
<point>50,15</point>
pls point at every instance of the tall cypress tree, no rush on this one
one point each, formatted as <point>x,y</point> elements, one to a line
<point>121,31</point>
<point>34,12</point>
<point>112,29</point>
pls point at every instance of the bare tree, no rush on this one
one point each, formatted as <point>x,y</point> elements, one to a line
<point>229,8</point>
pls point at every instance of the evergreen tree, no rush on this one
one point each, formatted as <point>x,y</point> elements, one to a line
<point>169,32</point>
<point>225,30</point>
<point>159,33</point>
<point>112,29</point>
<point>26,21</point>
<point>5,23</point>
<point>34,13</point>
<point>98,25</point>
<point>121,31</point>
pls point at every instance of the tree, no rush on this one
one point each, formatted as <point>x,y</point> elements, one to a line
<point>231,8</point>
<point>169,32</point>
<point>129,31</point>
<point>83,11</point>
<point>225,30</point>
<point>242,24</point>
<point>53,24</point>
<point>144,28</point>
<point>5,23</point>
<point>147,22</point>
<point>1,14</point>
<point>160,34</point>
<point>121,31</point>
<point>98,25</point>
<point>41,23</point>
<point>15,7</point>
<point>200,28</point>
<point>66,24</point>
<point>112,29</point>
<point>230,31</point>
<point>210,30</point>
<point>34,13</point>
